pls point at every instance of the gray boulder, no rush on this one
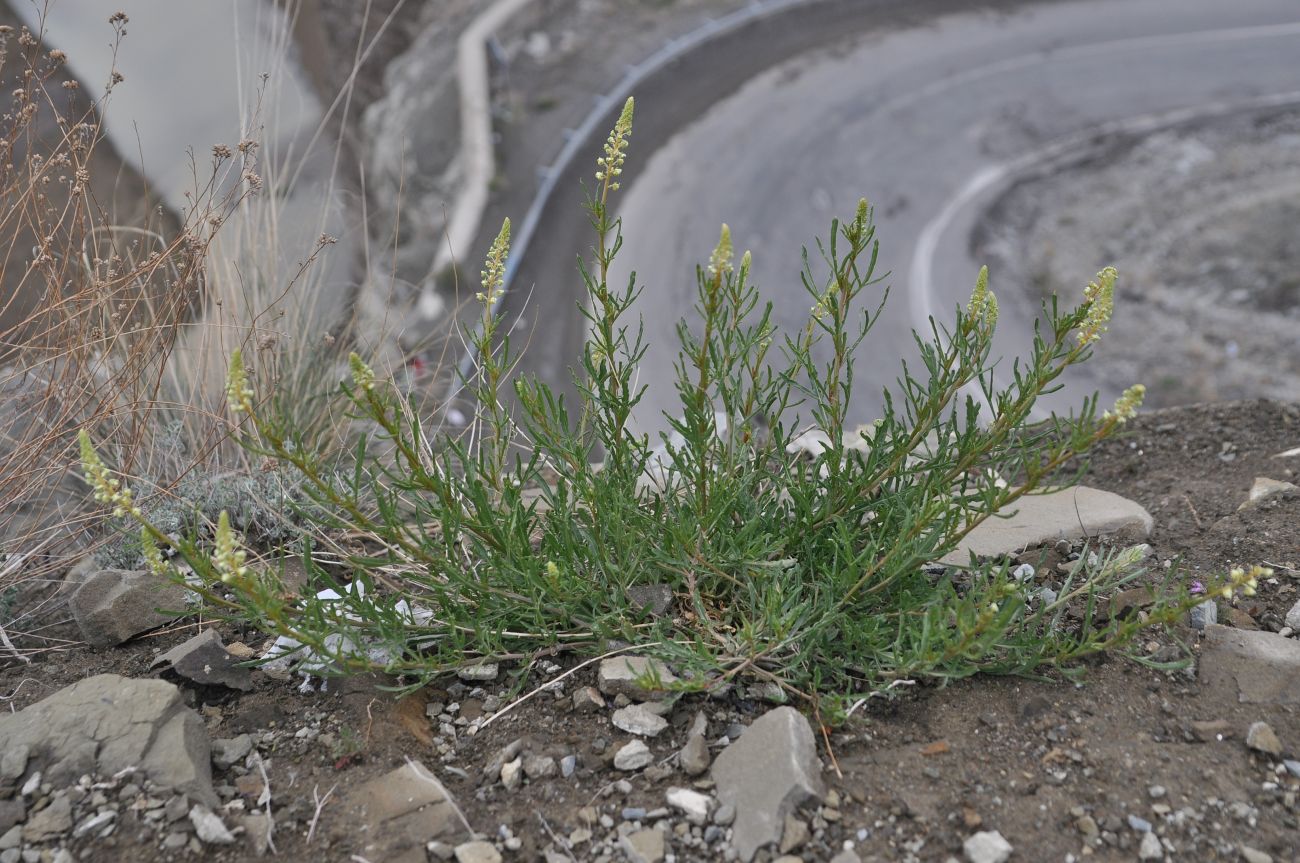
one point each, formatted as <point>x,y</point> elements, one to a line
<point>107,723</point>
<point>112,605</point>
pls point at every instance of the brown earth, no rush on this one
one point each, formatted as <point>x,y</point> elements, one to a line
<point>1033,759</point>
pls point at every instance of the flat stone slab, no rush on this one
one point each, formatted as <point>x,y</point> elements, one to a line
<point>108,723</point>
<point>1258,667</point>
<point>1069,513</point>
<point>204,660</point>
<point>766,775</point>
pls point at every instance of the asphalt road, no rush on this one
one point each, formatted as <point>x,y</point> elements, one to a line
<point>930,119</point>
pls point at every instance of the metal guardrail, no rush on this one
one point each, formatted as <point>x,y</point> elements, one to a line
<point>580,140</point>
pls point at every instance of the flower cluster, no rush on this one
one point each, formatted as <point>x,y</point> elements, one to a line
<point>1247,581</point>
<point>239,393</point>
<point>363,377</point>
<point>1100,299</point>
<point>228,557</point>
<point>108,489</point>
<point>1126,406</point>
<point>611,164</point>
<point>720,260</point>
<point>494,268</point>
<point>983,305</point>
<point>153,559</point>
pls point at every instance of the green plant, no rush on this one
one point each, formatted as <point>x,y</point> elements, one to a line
<point>799,550</point>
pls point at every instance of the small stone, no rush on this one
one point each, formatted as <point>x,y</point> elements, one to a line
<point>587,699</point>
<point>633,756</point>
<point>1293,617</point>
<point>694,756</point>
<point>794,835</point>
<point>477,852</point>
<point>226,752</point>
<point>643,846</point>
<point>1141,825</point>
<point>54,820</point>
<point>210,828</point>
<point>636,719</point>
<point>512,774</point>
<point>724,815</point>
<point>1087,825</point>
<point>693,804</point>
<point>1265,489</point>
<point>1156,792</point>
<point>633,813</point>
<point>440,850</point>
<point>1024,572</point>
<point>539,767</point>
<point>1254,855</point>
<point>618,675</point>
<point>94,823</point>
<point>987,846</point>
<point>1211,730</point>
<point>478,673</point>
<point>654,599</point>
<point>492,769</point>
<point>1261,737</point>
<point>1292,767</point>
<point>568,764</point>
<point>1203,614</point>
<point>848,855</point>
<point>1151,849</point>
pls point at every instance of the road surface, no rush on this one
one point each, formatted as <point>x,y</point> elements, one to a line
<point>930,122</point>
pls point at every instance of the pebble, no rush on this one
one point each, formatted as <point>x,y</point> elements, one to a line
<point>587,699</point>
<point>1156,792</point>
<point>1204,614</point>
<point>512,774</point>
<point>632,756</point>
<point>633,813</point>
<point>1141,825</point>
<point>694,756</point>
<point>477,851</point>
<point>987,846</point>
<point>478,673</point>
<point>568,764</point>
<point>1261,737</point>
<point>539,767</point>
<point>693,804</point>
<point>724,815</point>
<point>1254,855</point>
<point>210,828</point>
<point>643,846</point>
<point>1151,849</point>
<point>1292,767</point>
<point>636,719</point>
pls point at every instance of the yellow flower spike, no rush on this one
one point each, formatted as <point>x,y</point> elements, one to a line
<point>980,296</point>
<point>611,164</point>
<point>1126,406</point>
<point>720,260</point>
<point>495,267</point>
<point>552,570</point>
<point>363,377</point>
<point>153,558</point>
<point>1100,299</point>
<point>862,216</point>
<point>228,557</point>
<point>107,489</point>
<point>239,393</point>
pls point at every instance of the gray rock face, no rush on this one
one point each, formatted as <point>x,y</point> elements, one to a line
<point>1258,667</point>
<point>112,605</point>
<point>204,660</point>
<point>766,775</point>
<point>107,723</point>
<point>403,810</point>
<point>1069,513</point>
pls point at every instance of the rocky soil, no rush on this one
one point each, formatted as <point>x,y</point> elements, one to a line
<point>163,747</point>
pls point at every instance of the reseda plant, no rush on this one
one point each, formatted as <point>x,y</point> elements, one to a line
<point>799,551</point>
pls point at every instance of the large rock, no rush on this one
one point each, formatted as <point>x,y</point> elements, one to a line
<point>403,811</point>
<point>1070,513</point>
<point>112,605</point>
<point>619,675</point>
<point>108,723</point>
<point>766,775</point>
<point>1255,667</point>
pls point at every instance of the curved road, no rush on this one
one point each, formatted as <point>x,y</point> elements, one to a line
<point>930,123</point>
